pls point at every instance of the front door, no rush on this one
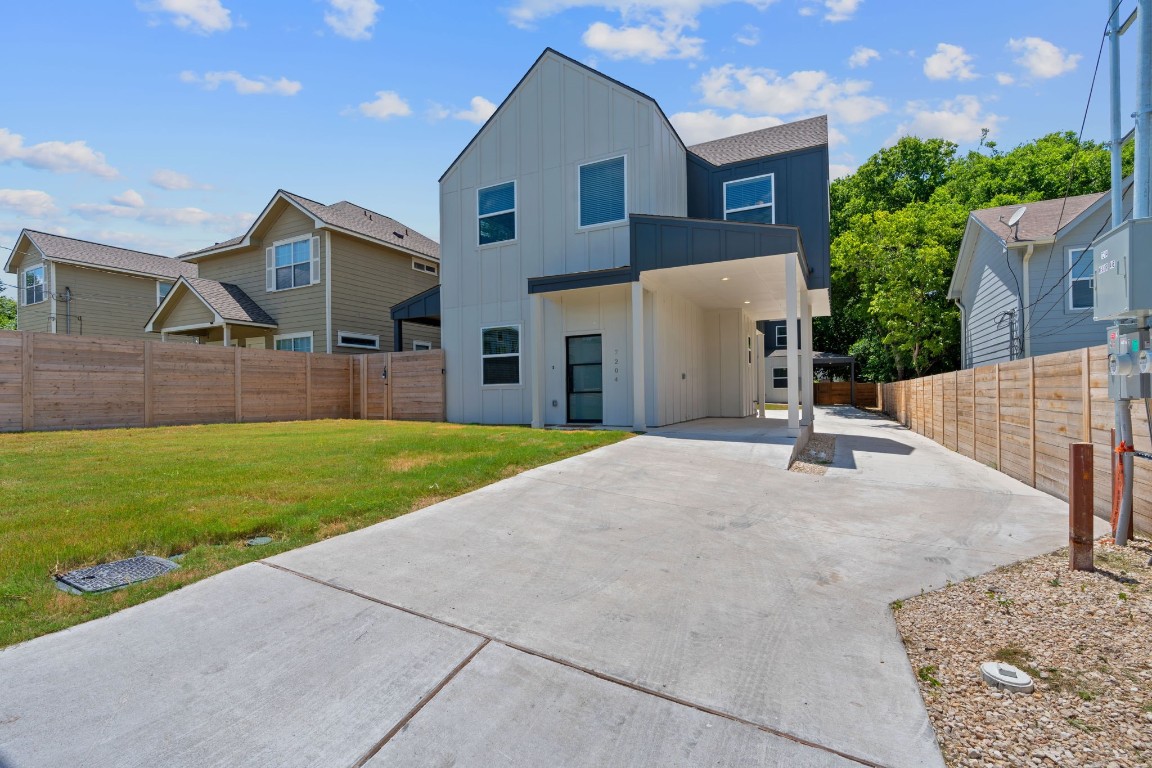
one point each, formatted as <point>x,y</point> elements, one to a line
<point>585,380</point>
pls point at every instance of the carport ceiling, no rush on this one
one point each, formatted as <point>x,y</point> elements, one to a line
<point>755,285</point>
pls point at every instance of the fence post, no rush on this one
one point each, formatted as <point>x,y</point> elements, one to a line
<point>239,385</point>
<point>389,382</point>
<point>1086,392</point>
<point>1080,515</point>
<point>147,383</point>
<point>27,414</point>
<point>999,457</point>
<point>308,386</point>
<point>363,386</point>
<point>351,380</point>
<point>973,372</point>
<point>1032,414</point>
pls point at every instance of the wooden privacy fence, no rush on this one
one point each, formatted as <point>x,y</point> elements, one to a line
<point>841,392</point>
<point>1020,418</point>
<point>49,381</point>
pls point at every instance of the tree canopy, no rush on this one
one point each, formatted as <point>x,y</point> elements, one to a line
<point>7,314</point>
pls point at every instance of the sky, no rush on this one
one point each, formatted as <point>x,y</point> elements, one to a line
<point>167,125</point>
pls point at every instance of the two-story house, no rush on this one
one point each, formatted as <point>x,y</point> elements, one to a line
<point>597,270</point>
<point>78,287</point>
<point>1023,278</point>
<point>305,277</point>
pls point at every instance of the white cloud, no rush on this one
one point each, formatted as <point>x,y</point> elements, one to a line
<point>57,156</point>
<point>862,56</point>
<point>352,19</point>
<point>480,110</point>
<point>840,170</point>
<point>748,35</point>
<point>1003,78</point>
<point>1041,58</point>
<point>950,62</point>
<point>172,180</point>
<point>698,127</point>
<point>27,202</point>
<point>525,13</point>
<point>244,86</point>
<point>645,42</point>
<point>130,198</point>
<point>841,10</point>
<point>961,120</point>
<point>164,216</point>
<point>764,91</point>
<point>203,16</point>
<point>388,104</point>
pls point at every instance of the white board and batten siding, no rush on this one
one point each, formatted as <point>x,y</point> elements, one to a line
<point>560,117</point>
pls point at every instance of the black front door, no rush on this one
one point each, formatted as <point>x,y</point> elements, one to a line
<point>585,380</point>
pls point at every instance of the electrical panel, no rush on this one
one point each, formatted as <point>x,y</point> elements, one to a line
<point>1122,271</point>
<point>1129,363</point>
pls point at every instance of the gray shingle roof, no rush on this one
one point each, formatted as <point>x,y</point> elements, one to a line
<point>108,256</point>
<point>230,301</point>
<point>1042,219</point>
<point>353,218</point>
<point>789,137</point>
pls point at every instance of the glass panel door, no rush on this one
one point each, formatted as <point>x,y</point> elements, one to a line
<point>585,380</point>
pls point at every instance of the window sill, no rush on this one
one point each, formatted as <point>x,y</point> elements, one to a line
<point>602,225</point>
<point>502,386</point>
<point>293,288</point>
<point>490,246</point>
<point>357,346</point>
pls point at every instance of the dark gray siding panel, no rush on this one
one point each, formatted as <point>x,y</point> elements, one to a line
<point>596,279</point>
<point>423,306</point>
<point>660,242</point>
<point>801,180</point>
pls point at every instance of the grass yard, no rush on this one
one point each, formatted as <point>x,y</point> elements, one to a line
<point>75,499</point>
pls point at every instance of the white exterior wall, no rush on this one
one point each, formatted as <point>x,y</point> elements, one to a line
<point>559,117</point>
<point>731,380</point>
<point>676,365</point>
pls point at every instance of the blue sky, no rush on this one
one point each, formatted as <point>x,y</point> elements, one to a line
<point>166,125</point>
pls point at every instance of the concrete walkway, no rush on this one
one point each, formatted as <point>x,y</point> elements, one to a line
<point>671,600</point>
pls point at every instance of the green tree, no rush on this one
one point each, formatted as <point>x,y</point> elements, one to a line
<point>7,314</point>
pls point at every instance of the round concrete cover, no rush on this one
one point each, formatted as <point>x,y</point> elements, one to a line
<point>1006,677</point>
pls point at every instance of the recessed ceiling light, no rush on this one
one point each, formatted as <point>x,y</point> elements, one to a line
<point>723,278</point>
<point>747,302</point>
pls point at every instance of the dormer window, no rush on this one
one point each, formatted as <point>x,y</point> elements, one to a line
<point>751,200</point>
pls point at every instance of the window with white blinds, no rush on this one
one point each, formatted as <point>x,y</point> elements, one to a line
<point>496,213</point>
<point>602,192</point>
<point>750,200</point>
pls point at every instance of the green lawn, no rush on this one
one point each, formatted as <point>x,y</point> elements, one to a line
<point>74,499</point>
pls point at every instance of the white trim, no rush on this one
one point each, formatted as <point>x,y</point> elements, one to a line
<point>781,344</point>
<point>418,345</point>
<point>1068,249</point>
<point>434,269</point>
<point>519,355</point>
<point>197,327</point>
<point>328,292</point>
<point>22,277</point>
<point>159,297</point>
<point>514,210</point>
<point>771,205</point>
<point>288,336</point>
<point>341,343</point>
<point>581,227</point>
<point>50,291</point>
<point>309,238</point>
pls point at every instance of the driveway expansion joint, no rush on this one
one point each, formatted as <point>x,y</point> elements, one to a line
<point>486,639</point>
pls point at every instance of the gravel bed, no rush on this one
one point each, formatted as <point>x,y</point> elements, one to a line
<point>1086,638</point>
<point>816,455</point>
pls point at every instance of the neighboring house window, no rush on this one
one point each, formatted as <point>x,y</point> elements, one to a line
<point>1080,278</point>
<point>423,266</point>
<point>496,212</point>
<point>418,345</point>
<point>602,192</point>
<point>779,378</point>
<point>33,285</point>
<point>162,289</point>
<point>294,342</point>
<point>500,354</point>
<point>362,340</point>
<point>781,336</point>
<point>750,200</point>
<point>293,263</point>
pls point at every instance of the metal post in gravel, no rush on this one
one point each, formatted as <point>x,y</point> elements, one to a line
<point>1080,507</point>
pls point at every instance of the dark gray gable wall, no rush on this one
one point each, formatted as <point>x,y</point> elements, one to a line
<point>801,190</point>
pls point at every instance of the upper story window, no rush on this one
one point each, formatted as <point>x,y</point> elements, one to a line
<point>424,266</point>
<point>1080,278</point>
<point>162,290</point>
<point>750,200</point>
<point>32,288</point>
<point>293,263</point>
<point>603,198</point>
<point>496,213</point>
<point>781,336</point>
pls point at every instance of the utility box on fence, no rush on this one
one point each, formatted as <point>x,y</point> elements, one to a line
<point>1122,271</point>
<point>1128,363</point>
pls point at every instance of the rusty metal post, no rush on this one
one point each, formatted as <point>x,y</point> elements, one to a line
<point>1080,507</point>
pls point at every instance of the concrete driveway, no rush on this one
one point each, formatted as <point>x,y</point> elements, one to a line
<point>675,600</point>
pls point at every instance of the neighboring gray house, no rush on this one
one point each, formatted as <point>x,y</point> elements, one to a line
<point>1026,290</point>
<point>596,270</point>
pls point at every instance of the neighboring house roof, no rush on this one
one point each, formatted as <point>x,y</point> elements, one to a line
<point>789,137</point>
<point>344,216</point>
<point>229,301</point>
<point>1041,220</point>
<point>85,253</point>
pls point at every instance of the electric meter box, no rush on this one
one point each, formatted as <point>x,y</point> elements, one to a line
<point>1129,363</point>
<point>1122,271</point>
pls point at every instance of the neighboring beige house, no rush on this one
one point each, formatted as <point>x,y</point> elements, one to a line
<point>77,287</point>
<point>305,277</point>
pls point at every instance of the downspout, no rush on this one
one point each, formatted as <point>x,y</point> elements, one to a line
<point>1026,306</point>
<point>963,333</point>
<point>328,291</point>
<point>51,287</point>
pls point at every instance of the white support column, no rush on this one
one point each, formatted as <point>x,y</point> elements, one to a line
<point>639,408</point>
<point>538,375</point>
<point>808,389</point>
<point>793,354</point>
<point>227,336</point>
